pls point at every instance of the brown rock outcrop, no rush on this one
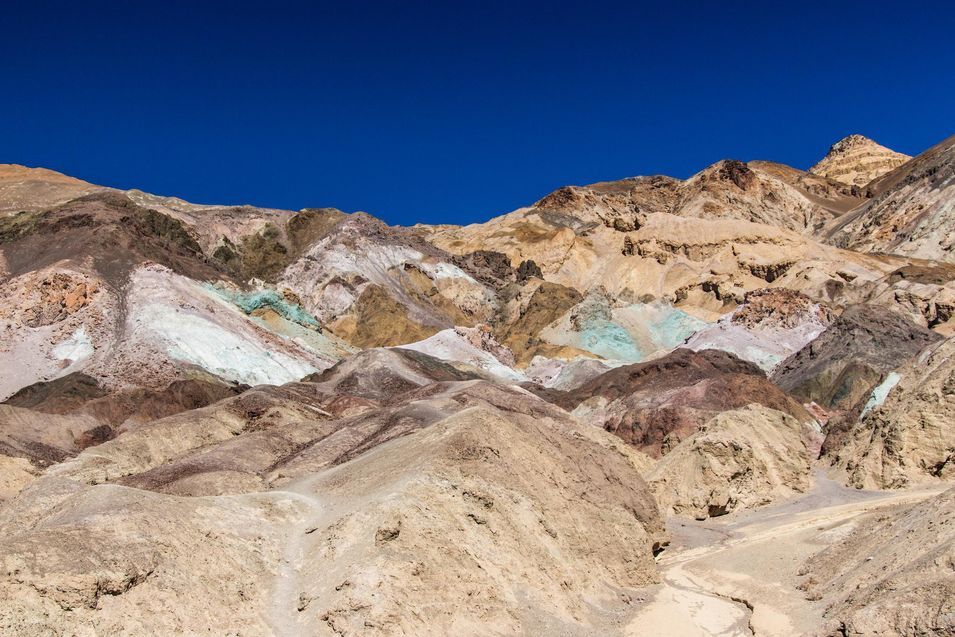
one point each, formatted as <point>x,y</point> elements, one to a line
<point>779,308</point>
<point>657,404</point>
<point>839,367</point>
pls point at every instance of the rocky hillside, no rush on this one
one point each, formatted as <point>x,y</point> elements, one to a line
<point>25,189</point>
<point>911,210</point>
<point>340,496</point>
<point>245,420</point>
<point>904,433</point>
<point>892,575</point>
<point>840,367</point>
<point>742,458</point>
<point>657,404</point>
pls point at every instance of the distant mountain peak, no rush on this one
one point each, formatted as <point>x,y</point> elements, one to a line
<point>856,160</point>
<point>851,141</point>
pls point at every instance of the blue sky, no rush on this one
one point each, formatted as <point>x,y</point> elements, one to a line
<point>453,112</point>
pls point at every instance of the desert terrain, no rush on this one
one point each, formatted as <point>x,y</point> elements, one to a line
<point>720,405</point>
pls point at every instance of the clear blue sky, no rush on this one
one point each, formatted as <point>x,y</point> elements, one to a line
<point>454,112</point>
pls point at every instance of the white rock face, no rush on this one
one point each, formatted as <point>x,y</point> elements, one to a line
<point>881,392</point>
<point>194,339</point>
<point>188,322</point>
<point>76,349</point>
<point>565,374</point>
<point>334,272</point>
<point>58,320</point>
<point>454,345</point>
<point>764,346</point>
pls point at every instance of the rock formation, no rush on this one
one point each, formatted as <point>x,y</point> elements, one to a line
<point>742,458</point>
<point>905,434</point>
<point>911,210</point>
<point>770,325</point>
<point>856,160</point>
<point>656,405</point>
<point>839,367</point>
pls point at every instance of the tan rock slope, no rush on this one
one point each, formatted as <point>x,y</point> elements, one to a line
<point>743,458</point>
<point>748,192</point>
<point>923,291</point>
<point>833,197</point>
<point>856,160</point>
<point>379,522</point>
<point>25,189</point>
<point>907,433</point>
<point>892,575</point>
<point>31,441</point>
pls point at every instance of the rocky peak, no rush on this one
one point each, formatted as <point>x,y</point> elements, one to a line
<point>850,141</point>
<point>856,160</point>
<point>737,172</point>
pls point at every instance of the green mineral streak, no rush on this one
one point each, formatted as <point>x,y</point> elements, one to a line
<point>880,393</point>
<point>658,327</point>
<point>610,341</point>
<point>674,328</point>
<point>249,302</point>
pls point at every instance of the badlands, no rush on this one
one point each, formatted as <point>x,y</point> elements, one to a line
<point>713,406</point>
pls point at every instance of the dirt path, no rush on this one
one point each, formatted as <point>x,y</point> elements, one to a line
<point>685,608</point>
<point>738,575</point>
<point>287,593</point>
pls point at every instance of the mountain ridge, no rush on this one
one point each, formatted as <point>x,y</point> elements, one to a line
<point>250,419</point>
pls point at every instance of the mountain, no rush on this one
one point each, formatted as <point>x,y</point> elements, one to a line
<point>857,161</point>
<point>701,265</point>
<point>236,419</point>
<point>137,296</point>
<point>911,210</point>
